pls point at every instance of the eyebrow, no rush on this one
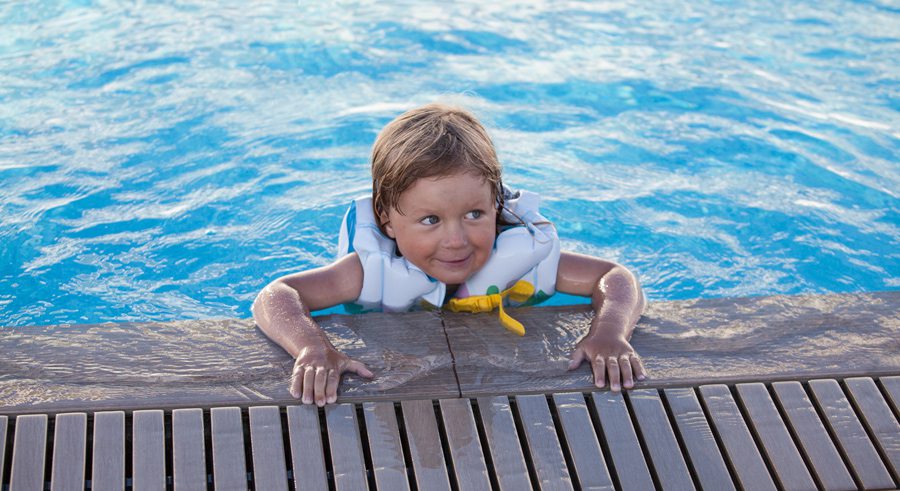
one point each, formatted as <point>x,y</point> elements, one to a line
<point>419,210</point>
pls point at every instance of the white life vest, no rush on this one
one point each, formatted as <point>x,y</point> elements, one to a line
<point>526,251</point>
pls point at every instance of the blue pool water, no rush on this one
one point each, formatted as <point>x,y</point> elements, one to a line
<point>165,160</point>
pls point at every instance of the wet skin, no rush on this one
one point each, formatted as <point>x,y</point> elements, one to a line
<point>446,227</point>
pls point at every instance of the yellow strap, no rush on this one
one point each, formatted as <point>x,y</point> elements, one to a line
<point>519,292</point>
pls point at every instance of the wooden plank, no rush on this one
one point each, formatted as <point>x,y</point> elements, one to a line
<point>879,420</point>
<point>543,443</point>
<point>385,446</point>
<point>465,445</point>
<point>29,450</point>
<point>408,352</point>
<point>503,443</point>
<point>829,468</point>
<point>267,447</point>
<point>306,447</point>
<point>69,442</point>
<point>3,420</point>
<point>740,449</point>
<point>659,440</point>
<point>850,435</point>
<point>346,448</point>
<point>228,457</point>
<point>179,364</point>
<point>622,442</point>
<point>783,338</point>
<point>767,425</point>
<point>425,445</point>
<point>108,456</point>
<point>188,452</point>
<point>892,387</point>
<point>148,450</point>
<point>590,467</point>
<point>699,441</point>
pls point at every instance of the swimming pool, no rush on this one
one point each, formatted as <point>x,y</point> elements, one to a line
<point>164,161</point>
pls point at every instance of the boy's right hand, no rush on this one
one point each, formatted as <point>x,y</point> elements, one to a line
<point>317,373</point>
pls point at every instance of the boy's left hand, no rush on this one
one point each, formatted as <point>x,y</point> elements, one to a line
<point>609,354</point>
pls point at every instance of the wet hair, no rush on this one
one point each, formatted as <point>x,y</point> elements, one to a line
<point>434,140</point>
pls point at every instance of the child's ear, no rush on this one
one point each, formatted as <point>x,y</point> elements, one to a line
<point>388,229</point>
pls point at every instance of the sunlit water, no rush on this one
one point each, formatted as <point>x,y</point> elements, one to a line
<point>165,161</point>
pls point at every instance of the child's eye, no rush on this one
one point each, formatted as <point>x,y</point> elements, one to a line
<point>430,220</point>
<point>474,214</point>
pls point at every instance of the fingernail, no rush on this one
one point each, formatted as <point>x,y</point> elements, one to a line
<point>641,377</point>
<point>332,399</point>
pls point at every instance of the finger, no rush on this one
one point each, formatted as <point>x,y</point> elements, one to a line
<point>625,368</point>
<point>360,369</point>
<point>576,358</point>
<point>638,367</point>
<point>296,383</point>
<point>321,377</point>
<point>612,368</point>
<point>599,367</point>
<point>309,376</point>
<point>331,387</point>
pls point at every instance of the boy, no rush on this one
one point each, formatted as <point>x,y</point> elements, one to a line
<point>441,229</point>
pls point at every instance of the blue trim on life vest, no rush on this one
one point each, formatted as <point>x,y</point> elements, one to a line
<point>351,226</point>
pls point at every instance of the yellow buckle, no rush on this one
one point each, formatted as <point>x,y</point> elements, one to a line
<point>519,292</point>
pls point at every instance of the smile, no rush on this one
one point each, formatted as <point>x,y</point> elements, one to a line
<point>456,263</point>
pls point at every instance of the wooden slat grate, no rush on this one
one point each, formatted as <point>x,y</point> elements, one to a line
<point>818,434</point>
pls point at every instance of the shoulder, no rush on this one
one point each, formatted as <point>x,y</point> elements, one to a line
<point>359,231</point>
<point>523,208</point>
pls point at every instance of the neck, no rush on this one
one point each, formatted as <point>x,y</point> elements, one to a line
<point>451,291</point>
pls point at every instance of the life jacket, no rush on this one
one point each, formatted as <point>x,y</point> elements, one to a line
<point>520,271</point>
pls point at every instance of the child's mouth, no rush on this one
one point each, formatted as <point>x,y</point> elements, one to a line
<point>455,263</point>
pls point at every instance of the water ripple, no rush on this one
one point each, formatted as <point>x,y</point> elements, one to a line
<point>164,161</point>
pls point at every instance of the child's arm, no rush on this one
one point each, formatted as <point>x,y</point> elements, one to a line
<point>282,310</point>
<point>618,303</point>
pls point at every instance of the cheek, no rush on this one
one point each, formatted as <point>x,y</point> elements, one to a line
<point>485,237</point>
<point>413,245</point>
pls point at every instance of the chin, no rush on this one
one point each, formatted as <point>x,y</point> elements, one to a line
<point>451,279</point>
<point>455,277</point>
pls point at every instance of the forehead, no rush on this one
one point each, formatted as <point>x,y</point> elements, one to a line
<point>463,190</point>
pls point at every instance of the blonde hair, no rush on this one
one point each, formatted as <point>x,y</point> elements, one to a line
<point>430,141</point>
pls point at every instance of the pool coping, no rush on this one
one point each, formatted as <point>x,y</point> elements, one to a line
<point>53,369</point>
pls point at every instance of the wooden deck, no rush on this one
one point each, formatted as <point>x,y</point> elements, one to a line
<point>753,393</point>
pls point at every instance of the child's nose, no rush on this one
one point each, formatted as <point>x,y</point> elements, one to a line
<point>456,236</point>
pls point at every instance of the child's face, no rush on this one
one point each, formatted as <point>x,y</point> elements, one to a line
<point>448,226</point>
